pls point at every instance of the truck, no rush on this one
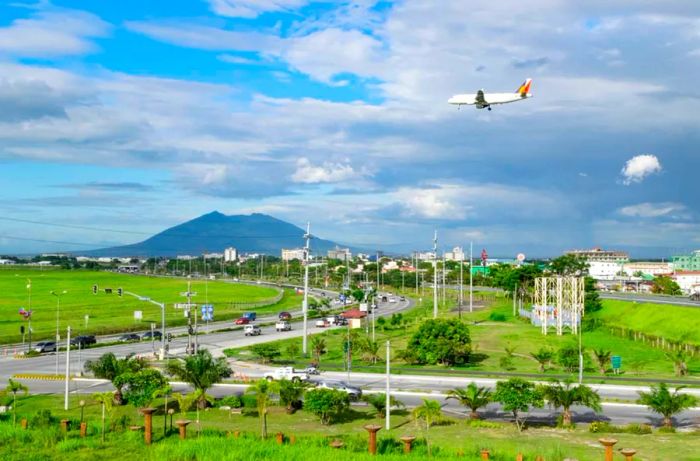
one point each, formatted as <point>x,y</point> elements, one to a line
<point>283,325</point>
<point>252,330</point>
<point>250,316</point>
<point>286,373</point>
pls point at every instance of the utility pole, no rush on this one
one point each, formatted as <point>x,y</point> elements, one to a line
<point>388,385</point>
<point>471,280</point>
<point>435,278</point>
<point>305,303</point>
<point>416,267</point>
<point>65,402</point>
<point>378,271</point>
<point>461,281</point>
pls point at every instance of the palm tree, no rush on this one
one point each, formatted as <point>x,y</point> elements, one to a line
<point>105,399</point>
<point>263,391</point>
<point>680,361</point>
<point>370,351</point>
<point>543,357</point>
<point>472,397</point>
<point>201,371</point>
<point>108,366</point>
<point>566,395</point>
<point>602,357</point>
<point>660,400</point>
<point>14,387</point>
<point>164,392</point>
<point>184,402</point>
<point>291,393</point>
<point>430,413</point>
<point>378,402</point>
<point>318,347</point>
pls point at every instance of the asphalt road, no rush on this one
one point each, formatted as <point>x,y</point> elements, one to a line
<point>656,299</point>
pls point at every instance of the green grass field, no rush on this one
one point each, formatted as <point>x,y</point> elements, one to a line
<point>489,340</point>
<point>111,313</point>
<point>208,440</point>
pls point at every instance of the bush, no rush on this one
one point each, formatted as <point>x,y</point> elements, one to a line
<point>232,401</point>
<point>120,424</point>
<point>43,418</point>
<point>326,403</point>
<point>600,427</point>
<point>497,317</point>
<point>667,430</point>
<point>441,341</point>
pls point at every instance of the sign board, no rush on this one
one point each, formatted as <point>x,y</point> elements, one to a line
<point>207,312</point>
<point>355,323</point>
<point>138,315</point>
<point>188,293</point>
<point>184,306</point>
<point>616,361</point>
<point>363,307</point>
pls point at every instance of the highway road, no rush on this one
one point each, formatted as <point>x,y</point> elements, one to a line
<point>656,299</point>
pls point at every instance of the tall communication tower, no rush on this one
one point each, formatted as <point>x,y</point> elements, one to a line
<point>559,303</point>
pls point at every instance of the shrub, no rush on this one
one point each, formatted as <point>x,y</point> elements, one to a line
<point>43,418</point>
<point>497,317</point>
<point>441,341</point>
<point>326,403</point>
<point>667,430</point>
<point>232,401</point>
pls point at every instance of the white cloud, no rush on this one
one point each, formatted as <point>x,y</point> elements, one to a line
<point>252,8</point>
<point>329,172</point>
<point>59,33</point>
<point>654,210</point>
<point>639,167</point>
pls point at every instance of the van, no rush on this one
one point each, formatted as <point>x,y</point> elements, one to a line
<point>250,316</point>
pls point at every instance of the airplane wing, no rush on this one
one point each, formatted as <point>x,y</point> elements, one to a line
<point>480,97</point>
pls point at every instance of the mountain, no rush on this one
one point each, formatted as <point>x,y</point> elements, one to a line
<point>213,232</point>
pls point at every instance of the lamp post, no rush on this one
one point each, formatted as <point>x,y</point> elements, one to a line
<point>305,302</point>
<point>162,319</point>
<point>58,309</point>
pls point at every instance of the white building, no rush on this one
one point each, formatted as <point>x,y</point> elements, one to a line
<point>5,262</point>
<point>424,255</point>
<point>185,258</point>
<point>213,255</point>
<point>604,270</point>
<point>340,253</point>
<point>603,264</point>
<point>389,266</point>
<point>230,254</point>
<point>649,268</point>
<point>294,253</point>
<point>689,281</point>
<point>457,254</point>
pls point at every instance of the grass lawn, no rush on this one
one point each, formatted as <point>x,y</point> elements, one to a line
<point>447,440</point>
<point>111,313</point>
<point>489,340</point>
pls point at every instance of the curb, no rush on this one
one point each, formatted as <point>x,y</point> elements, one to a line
<point>40,377</point>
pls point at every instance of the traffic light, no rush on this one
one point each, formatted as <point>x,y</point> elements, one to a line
<point>94,289</point>
<point>120,291</point>
<point>170,337</point>
<point>21,329</point>
<point>190,330</point>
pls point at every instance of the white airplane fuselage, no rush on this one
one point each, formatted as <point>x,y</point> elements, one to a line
<point>489,99</point>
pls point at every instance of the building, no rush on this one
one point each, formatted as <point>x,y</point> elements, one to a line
<point>603,264</point>
<point>689,262</point>
<point>688,281</point>
<point>424,255</point>
<point>457,254</point>
<point>230,254</point>
<point>294,253</point>
<point>343,254</point>
<point>185,257</point>
<point>212,255</point>
<point>5,262</point>
<point>648,268</point>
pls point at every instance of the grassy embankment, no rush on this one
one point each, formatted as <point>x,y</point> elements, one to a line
<point>493,328</point>
<point>109,313</point>
<point>448,439</point>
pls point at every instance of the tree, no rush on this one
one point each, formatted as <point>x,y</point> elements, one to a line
<point>105,399</point>
<point>291,393</point>
<point>680,361</point>
<point>370,351</point>
<point>517,395</point>
<point>108,366</point>
<point>184,402</point>
<point>378,402</point>
<point>603,358</point>
<point>430,413</point>
<point>543,357</point>
<point>326,403</point>
<point>266,351</point>
<point>263,390</point>
<point>665,285</point>
<point>444,341</point>
<point>14,388</point>
<point>292,350</point>
<point>472,397</point>
<point>140,386</point>
<point>506,361</point>
<point>660,400</point>
<point>569,264</point>
<point>565,395</point>
<point>318,347</point>
<point>568,357</point>
<point>201,371</point>
<point>591,301</point>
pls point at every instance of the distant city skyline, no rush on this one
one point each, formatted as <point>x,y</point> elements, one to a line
<point>131,117</point>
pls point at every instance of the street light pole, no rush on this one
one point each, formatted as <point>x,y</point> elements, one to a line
<point>58,309</point>
<point>435,278</point>
<point>305,305</point>
<point>388,385</point>
<point>65,401</point>
<point>162,318</point>
<point>471,279</point>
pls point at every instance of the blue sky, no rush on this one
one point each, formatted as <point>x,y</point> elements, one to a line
<point>138,115</point>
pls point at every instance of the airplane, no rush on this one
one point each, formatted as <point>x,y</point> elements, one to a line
<point>485,100</point>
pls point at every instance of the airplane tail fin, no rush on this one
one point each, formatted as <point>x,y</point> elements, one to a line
<point>525,87</point>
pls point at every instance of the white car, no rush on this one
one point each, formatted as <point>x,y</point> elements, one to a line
<point>286,373</point>
<point>322,323</point>
<point>283,325</point>
<point>252,330</point>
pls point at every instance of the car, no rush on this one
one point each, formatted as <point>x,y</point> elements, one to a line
<point>286,373</point>
<point>45,346</point>
<point>355,393</point>
<point>312,370</point>
<point>322,323</point>
<point>83,340</point>
<point>402,298</point>
<point>252,330</point>
<point>242,321</point>
<point>128,337</point>
<point>283,325</point>
<point>151,335</point>
<point>284,316</point>
<point>250,316</point>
